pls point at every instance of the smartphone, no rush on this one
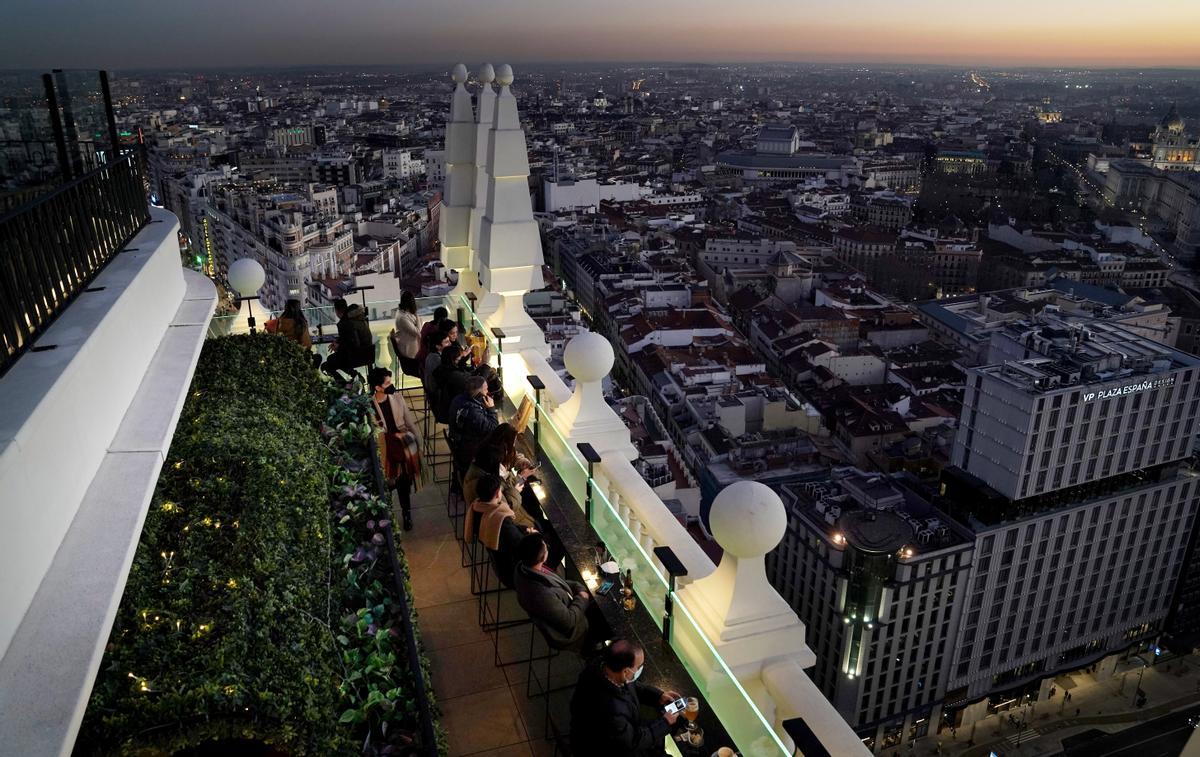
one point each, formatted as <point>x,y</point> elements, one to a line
<point>605,588</point>
<point>679,705</point>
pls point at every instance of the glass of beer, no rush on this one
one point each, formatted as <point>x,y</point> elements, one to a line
<point>691,712</point>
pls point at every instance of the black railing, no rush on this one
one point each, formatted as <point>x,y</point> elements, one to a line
<point>428,741</point>
<point>52,247</point>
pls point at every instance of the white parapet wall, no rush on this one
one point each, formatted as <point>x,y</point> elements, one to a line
<point>758,635</point>
<point>84,430</point>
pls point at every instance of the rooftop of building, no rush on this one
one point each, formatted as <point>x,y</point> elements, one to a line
<point>873,512</point>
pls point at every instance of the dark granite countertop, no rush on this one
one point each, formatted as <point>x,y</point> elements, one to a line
<point>663,668</point>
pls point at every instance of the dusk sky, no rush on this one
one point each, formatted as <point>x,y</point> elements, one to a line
<point>119,34</point>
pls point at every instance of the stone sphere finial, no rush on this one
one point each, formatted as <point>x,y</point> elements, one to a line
<point>747,519</point>
<point>459,74</point>
<point>246,276</point>
<point>487,74</point>
<point>588,357</point>
<point>504,75</point>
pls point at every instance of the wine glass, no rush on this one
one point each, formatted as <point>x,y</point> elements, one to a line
<point>691,712</point>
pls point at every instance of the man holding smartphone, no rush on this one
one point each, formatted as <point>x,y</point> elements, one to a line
<point>605,708</point>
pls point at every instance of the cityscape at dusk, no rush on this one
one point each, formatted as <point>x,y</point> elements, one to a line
<point>136,34</point>
<point>628,379</point>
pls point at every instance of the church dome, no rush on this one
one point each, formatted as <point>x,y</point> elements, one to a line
<point>1172,121</point>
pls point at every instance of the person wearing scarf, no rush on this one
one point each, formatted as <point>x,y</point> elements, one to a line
<point>491,522</point>
<point>401,451</point>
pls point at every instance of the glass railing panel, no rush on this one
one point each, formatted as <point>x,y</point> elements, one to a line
<point>649,585</point>
<point>721,690</point>
<point>565,458</point>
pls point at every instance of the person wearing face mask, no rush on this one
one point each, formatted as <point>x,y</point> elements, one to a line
<point>401,450</point>
<point>605,708</point>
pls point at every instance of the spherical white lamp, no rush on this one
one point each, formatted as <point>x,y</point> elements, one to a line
<point>487,74</point>
<point>504,75</point>
<point>246,276</point>
<point>459,74</point>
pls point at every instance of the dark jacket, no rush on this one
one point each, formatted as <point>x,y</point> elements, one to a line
<point>449,382</point>
<point>354,338</point>
<point>470,419</point>
<point>605,719</point>
<point>554,602</point>
<point>470,423</point>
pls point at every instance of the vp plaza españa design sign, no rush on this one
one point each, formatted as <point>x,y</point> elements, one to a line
<point>1141,386</point>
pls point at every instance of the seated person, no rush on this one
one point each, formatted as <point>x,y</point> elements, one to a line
<point>520,468</point>
<point>355,347</point>
<point>490,521</point>
<point>292,324</point>
<point>605,708</point>
<point>558,605</point>
<point>487,462</point>
<point>434,344</point>
<point>472,417</point>
<point>449,380</point>
<point>427,331</point>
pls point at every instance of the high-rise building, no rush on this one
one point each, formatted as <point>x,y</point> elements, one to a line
<point>1056,541</point>
<point>874,571</point>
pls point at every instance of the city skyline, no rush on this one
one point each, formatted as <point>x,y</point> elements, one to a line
<point>376,32</point>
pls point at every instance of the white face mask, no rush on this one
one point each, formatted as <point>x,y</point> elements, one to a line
<point>637,674</point>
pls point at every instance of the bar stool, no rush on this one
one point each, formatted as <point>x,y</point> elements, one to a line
<point>457,512</point>
<point>549,730</point>
<point>488,621</point>
<point>499,623</point>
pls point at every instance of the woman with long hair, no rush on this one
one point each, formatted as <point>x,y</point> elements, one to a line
<point>406,339</point>
<point>292,324</point>
<point>489,462</point>
<point>498,456</point>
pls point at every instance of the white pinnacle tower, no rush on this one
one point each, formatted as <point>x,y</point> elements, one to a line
<point>458,193</point>
<point>510,248</point>
<point>484,113</point>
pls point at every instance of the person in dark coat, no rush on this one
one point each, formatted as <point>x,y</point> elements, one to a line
<point>449,380</point>
<point>605,708</point>
<point>355,347</point>
<point>559,606</point>
<point>472,417</point>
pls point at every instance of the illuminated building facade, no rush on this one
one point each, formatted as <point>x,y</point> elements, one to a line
<point>1072,466</point>
<point>873,570</point>
<point>1058,541</point>
<point>1174,149</point>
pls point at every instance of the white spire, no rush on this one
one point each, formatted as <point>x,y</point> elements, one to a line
<point>486,101</point>
<point>458,193</point>
<point>510,248</point>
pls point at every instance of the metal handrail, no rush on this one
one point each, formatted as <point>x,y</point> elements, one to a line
<point>53,246</point>
<point>412,652</point>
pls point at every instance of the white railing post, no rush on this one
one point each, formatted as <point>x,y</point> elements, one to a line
<point>585,416</point>
<point>752,628</point>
